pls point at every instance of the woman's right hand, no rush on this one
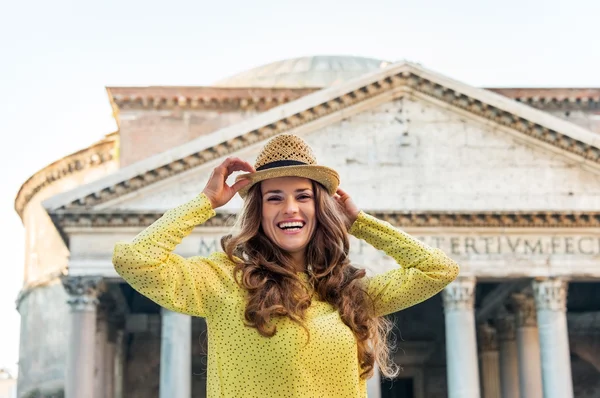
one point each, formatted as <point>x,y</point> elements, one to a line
<point>217,190</point>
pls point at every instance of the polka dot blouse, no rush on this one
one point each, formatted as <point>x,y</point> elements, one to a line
<point>241,363</point>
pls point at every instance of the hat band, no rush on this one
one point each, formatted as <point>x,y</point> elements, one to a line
<point>280,163</point>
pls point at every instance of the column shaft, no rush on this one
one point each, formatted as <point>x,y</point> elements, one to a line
<point>528,345</point>
<point>119,373</point>
<point>100,359</point>
<point>81,352</point>
<point>374,384</point>
<point>175,355</point>
<point>490,372</point>
<point>508,356</point>
<point>461,343</point>
<point>551,298</point>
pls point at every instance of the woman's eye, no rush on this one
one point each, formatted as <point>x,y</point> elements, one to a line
<point>301,197</point>
<point>273,198</point>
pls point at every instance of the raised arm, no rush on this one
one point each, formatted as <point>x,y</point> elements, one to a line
<point>422,273</point>
<point>187,285</point>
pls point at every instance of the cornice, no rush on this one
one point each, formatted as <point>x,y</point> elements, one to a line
<point>310,108</point>
<point>97,219</point>
<point>94,155</point>
<point>166,97</point>
<point>554,98</point>
<point>222,98</point>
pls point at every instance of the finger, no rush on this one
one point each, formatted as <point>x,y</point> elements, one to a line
<point>236,164</point>
<point>240,184</point>
<point>343,195</point>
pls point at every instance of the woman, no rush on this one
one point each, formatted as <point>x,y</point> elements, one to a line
<point>287,314</point>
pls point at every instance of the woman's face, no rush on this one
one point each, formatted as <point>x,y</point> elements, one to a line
<point>288,212</point>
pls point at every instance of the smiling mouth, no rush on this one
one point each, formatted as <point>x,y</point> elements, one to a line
<point>291,226</point>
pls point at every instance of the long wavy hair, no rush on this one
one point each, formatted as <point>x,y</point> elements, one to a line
<point>274,290</point>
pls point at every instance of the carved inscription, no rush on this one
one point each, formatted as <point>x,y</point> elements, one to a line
<point>527,245</point>
<point>477,245</point>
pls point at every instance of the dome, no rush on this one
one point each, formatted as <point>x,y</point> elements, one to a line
<point>316,71</point>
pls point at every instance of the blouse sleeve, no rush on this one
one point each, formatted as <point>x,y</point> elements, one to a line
<point>422,272</point>
<point>187,285</point>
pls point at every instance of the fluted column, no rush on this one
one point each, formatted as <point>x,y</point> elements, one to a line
<point>551,304</point>
<point>374,384</point>
<point>508,355</point>
<point>528,346</point>
<point>83,298</point>
<point>100,355</point>
<point>488,352</point>
<point>175,355</point>
<point>119,364</point>
<point>461,344</point>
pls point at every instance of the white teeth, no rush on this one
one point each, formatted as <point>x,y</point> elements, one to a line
<point>294,224</point>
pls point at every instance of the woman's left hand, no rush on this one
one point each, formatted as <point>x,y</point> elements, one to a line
<point>347,204</point>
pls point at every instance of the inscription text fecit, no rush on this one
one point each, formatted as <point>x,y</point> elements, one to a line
<point>505,244</point>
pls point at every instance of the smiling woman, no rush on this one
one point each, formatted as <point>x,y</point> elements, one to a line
<point>287,313</point>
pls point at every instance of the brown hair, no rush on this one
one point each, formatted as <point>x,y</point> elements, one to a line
<point>275,290</point>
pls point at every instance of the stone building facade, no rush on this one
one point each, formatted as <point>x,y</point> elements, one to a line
<point>506,181</point>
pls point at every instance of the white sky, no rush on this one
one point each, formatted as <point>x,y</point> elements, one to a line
<point>56,58</point>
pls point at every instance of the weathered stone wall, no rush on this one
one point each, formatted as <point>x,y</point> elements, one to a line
<point>45,251</point>
<point>144,133</point>
<point>589,119</point>
<point>44,339</point>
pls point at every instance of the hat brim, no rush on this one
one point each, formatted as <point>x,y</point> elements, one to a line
<point>329,178</point>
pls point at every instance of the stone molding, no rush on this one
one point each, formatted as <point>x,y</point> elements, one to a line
<point>554,98</point>
<point>403,77</point>
<point>106,218</point>
<point>550,294</point>
<point>83,291</point>
<point>196,98</point>
<point>95,155</point>
<point>208,97</point>
<point>460,294</point>
<point>505,326</point>
<point>486,338</point>
<point>525,311</point>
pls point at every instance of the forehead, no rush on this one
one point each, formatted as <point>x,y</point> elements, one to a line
<point>286,184</point>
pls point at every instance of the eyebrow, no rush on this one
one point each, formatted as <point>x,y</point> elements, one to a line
<point>280,191</point>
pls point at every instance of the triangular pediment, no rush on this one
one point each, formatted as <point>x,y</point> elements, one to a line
<point>320,117</point>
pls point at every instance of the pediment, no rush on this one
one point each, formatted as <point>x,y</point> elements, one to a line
<point>403,137</point>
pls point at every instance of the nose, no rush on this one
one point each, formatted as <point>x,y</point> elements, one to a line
<point>291,206</point>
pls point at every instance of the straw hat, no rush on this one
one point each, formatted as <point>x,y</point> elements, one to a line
<point>287,155</point>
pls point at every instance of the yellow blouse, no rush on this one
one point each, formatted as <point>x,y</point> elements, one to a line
<point>241,363</point>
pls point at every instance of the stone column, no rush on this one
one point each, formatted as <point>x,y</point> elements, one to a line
<point>111,357</point>
<point>79,375</point>
<point>488,352</point>
<point>509,357</point>
<point>100,355</point>
<point>119,363</point>
<point>374,384</point>
<point>461,344</point>
<point>551,304</point>
<point>175,355</point>
<point>528,347</point>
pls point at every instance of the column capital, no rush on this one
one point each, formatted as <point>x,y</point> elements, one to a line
<point>460,294</point>
<point>505,326</point>
<point>524,310</point>
<point>486,336</point>
<point>83,291</point>
<point>550,294</point>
